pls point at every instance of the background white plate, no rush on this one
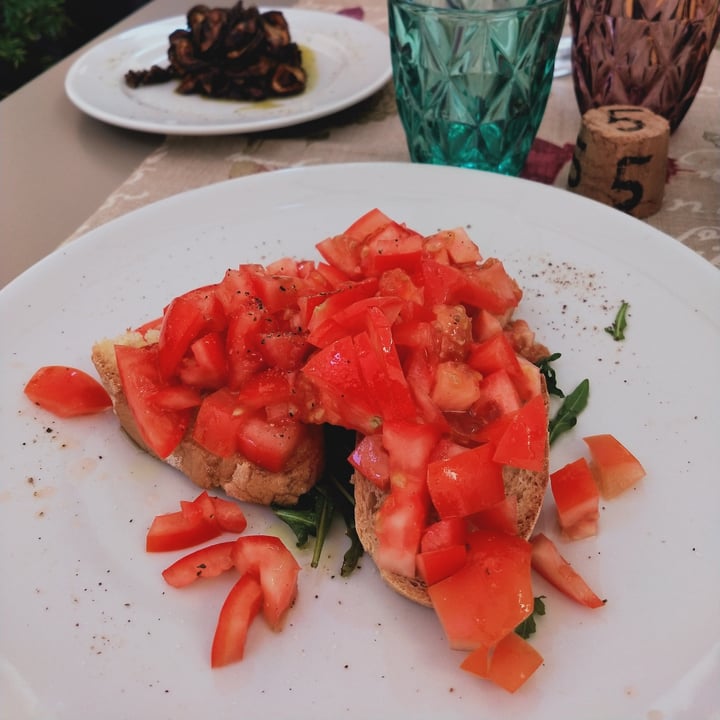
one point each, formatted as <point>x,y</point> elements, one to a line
<point>89,629</point>
<point>348,60</point>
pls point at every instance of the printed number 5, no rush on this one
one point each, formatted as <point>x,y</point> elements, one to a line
<point>634,187</point>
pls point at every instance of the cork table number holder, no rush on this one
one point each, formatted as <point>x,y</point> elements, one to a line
<point>620,158</point>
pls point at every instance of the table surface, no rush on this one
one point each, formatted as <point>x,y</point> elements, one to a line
<point>62,172</point>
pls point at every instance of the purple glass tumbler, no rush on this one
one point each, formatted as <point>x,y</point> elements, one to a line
<point>642,52</point>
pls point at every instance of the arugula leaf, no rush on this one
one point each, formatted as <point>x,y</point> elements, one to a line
<point>549,373</point>
<point>332,494</point>
<point>619,325</point>
<point>566,417</point>
<point>528,627</point>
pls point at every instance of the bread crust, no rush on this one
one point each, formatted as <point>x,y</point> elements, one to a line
<point>237,476</point>
<point>529,487</point>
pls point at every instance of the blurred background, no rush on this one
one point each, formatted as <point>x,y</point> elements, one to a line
<point>35,34</point>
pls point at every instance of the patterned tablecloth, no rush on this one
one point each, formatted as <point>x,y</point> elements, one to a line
<point>371,131</point>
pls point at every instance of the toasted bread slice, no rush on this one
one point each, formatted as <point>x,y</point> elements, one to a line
<point>528,486</point>
<point>237,476</point>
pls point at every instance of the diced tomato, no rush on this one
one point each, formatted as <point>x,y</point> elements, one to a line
<point>466,483</point>
<point>497,396</point>
<point>229,515</point>
<point>442,284</point>
<point>344,297</point>
<point>218,423</point>
<point>508,665</point>
<point>244,334</point>
<point>279,291</point>
<point>397,283</point>
<point>547,560</point>
<point>161,430</point>
<point>490,287</point>
<point>240,608</point>
<point>444,533</point>
<point>524,443</point>
<point>67,391</point>
<point>530,381</point>
<point>457,243</point>
<point>145,328</point>
<point>493,354</point>
<point>367,224</point>
<point>398,525</point>
<point>392,246</point>
<point>205,367</point>
<point>457,386</point>
<point>503,516</point>
<point>485,325</point>
<point>186,318</point>
<point>452,331</point>
<point>420,372</point>
<point>614,467</point>
<point>267,444</point>
<point>266,558</point>
<point>266,387</point>
<point>194,524</point>
<point>335,373</point>
<point>436,565</point>
<point>208,562</point>
<point>576,498</point>
<point>287,266</point>
<point>371,460</point>
<point>236,289</point>
<point>342,252</point>
<point>409,445</point>
<point>176,397</point>
<point>490,595</point>
<point>381,369</point>
<point>173,531</point>
<point>415,334</point>
<point>284,350</point>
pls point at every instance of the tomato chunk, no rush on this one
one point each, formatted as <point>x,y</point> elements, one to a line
<point>547,560</point>
<point>240,608</point>
<point>268,444</point>
<point>490,595</point>
<point>399,524</point>
<point>371,460</point>
<point>229,515</point>
<point>524,443</point>
<point>576,499</point>
<point>615,468</point>
<point>67,391</point>
<point>444,533</point>
<point>509,664</point>
<point>465,483</point>
<point>208,562</point>
<point>160,429</point>
<point>194,523</point>
<point>266,558</point>
<point>435,565</point>
<point>503,516</point>
<point>177,531</point>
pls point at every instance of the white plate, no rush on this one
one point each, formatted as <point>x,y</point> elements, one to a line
<point>347,61</point>
<point>89,629</point>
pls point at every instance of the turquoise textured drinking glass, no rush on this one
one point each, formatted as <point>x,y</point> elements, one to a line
<point>472,77</point>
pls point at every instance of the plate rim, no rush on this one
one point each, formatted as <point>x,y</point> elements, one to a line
<point>515,184</point>
<point>92,109</point>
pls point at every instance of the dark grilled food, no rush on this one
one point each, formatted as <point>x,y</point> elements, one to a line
<point>234,53</point>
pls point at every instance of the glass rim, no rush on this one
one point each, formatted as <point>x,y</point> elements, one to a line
<point>693,12</point>
<point>513,6</point>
